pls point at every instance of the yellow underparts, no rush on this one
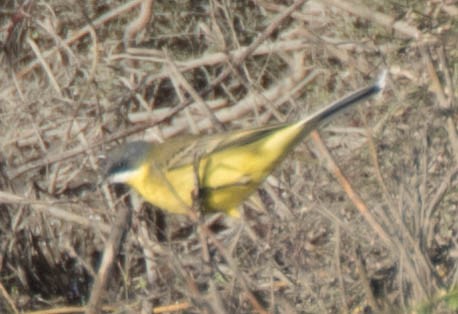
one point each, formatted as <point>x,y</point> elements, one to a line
<point>226,177</point>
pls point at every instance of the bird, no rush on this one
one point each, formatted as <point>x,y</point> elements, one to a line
<point>221,170</point>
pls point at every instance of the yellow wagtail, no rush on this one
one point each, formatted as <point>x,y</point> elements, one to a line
<point>230,165</point>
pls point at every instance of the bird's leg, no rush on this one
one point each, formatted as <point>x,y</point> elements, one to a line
<point>196,196</point>
<point>197,212</point>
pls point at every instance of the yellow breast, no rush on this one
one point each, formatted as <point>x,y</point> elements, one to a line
<point>226,177</point>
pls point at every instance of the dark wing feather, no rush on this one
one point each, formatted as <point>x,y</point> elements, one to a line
<point>184,150</point>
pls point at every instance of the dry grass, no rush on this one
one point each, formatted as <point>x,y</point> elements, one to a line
<point>376,232</point>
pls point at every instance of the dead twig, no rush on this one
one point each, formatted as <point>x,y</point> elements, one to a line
<point>146,12</point>
<point>379,18</point>
<point>110,253</point>
<point>364,278</point>
<point>83,32</point>
<point>6,296</point>
<point>176,75</point>
<point>390,241</point>
<point>346,185</point>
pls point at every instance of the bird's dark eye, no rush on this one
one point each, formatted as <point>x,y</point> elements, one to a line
<point>116,167</point>
<point>120,166</point>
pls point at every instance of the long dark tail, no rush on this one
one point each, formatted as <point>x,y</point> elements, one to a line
<point>320,117</point>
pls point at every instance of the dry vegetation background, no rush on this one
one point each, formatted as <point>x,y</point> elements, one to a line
<point>80,77</point>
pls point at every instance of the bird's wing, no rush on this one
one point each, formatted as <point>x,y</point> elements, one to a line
<point>185,150</point>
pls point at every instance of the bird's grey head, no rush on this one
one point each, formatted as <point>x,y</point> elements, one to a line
<point>125,160</point>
